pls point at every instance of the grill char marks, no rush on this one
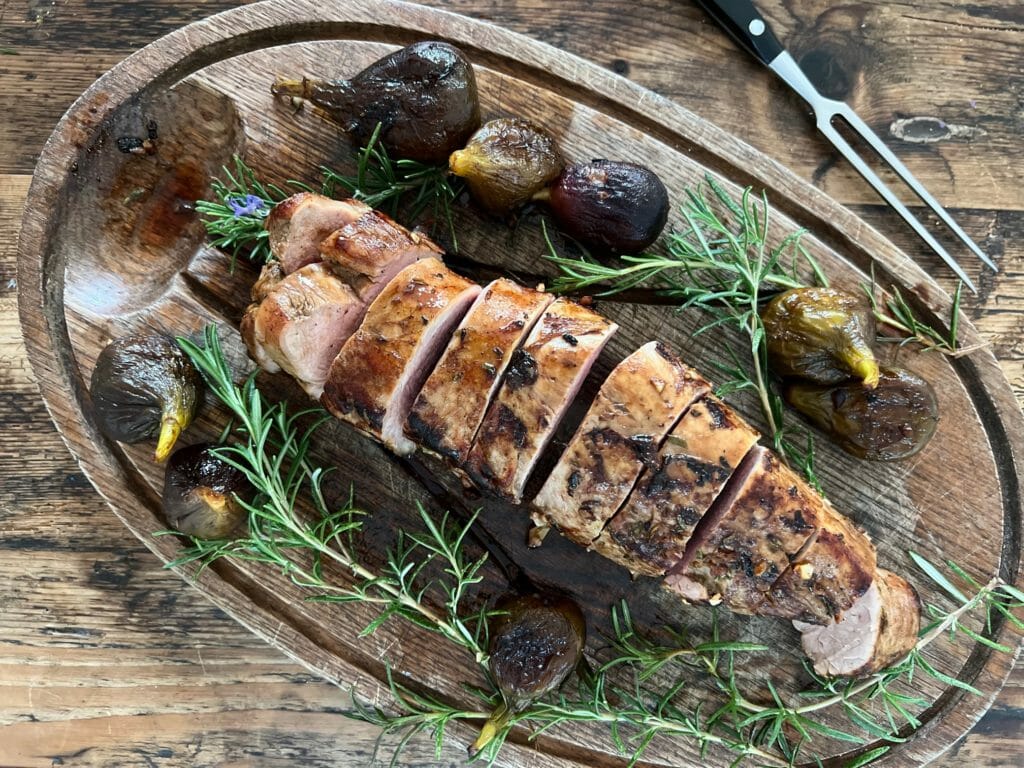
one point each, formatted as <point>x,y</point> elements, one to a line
<point>368,252</point>
<point>379,370</point>
<point>300,323</point>
<point>637,405</point>
<point>768,518</point>
<point>834,567</point>
<point>454,399</point>
<point>650,533</point>
<point>542,379</point>
<point>297,225</point>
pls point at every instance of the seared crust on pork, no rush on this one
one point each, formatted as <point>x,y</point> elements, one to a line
<point>650,533</point>
<point>454,399</point>
<point>369,251</point>
<point>377,374</point>
<point>833,568</point>
<point>637,405</point>
<point>300,323</point>
<point>297,225</point>
<point>542,379</point>
<point>763,523</point>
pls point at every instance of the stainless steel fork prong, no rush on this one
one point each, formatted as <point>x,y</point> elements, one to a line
<point>825,111</point>
<point>881,188</point>
<point>870,137</point>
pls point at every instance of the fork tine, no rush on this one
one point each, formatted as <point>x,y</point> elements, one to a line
<point>864,131</point>
<point>880,187</point>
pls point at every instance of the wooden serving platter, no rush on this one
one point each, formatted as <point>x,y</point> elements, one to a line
<point>110,245</point>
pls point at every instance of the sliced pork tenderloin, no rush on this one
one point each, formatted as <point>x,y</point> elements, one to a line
<point>542,380</point>
<point>367,253</point>
<point>878,630</point>
<point>300,323</point>
<point>650,533</point>
<point>753,531</point>
<point>620,435</point>
<point>297,225</point>
<point>454,399</point>
<point>835,564</point>
<point>379,371</point>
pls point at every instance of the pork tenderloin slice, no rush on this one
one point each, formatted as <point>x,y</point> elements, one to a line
<point>635,408</point>
<point>832,570</point>
<point>297,225</point>
<point>300,325</point>
<point>542,379</point>
<point>378,372</point>
<point>368,252</point>
<point>271,274</point>
<point>454,399</point>
<point>746,541</point>
<point>650,533</point>
<point>879,629</point>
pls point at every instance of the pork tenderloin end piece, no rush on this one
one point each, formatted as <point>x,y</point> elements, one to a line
<point>878,630</point>
<point>650,533</point>
<point>542,379</point>
<point>620,435</point>
<point>297,225</point>
<point>378,372</point>
<point>300,325</point>
<point>367,253</point>
<point>454,399</point>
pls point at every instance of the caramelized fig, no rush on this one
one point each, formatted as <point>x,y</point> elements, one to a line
<point>822,335</point>
<point>536,642</point>
<point>506,162</point>
<point>424,97</point>
<point>893,420</point>
<point>144,387</point>
<point>201,493</point>
<point>609,207</point>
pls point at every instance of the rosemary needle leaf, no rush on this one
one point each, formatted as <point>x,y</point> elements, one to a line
<point>936,575</point>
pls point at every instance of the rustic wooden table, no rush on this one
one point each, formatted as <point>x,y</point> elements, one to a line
<point>106,659</point>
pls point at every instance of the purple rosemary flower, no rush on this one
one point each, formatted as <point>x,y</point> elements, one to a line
<point>250,205</point>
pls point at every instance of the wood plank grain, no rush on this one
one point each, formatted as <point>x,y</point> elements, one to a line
<point>67,505</point>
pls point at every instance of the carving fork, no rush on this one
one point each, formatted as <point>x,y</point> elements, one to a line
<point>748,28</point>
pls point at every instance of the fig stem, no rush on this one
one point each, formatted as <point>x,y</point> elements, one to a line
<point>170,429</point>
<point>284,86</point>
<point>498,719</point>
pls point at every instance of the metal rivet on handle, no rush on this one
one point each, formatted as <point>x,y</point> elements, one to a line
<point>756,27</point>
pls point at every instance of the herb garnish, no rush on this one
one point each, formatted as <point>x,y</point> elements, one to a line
<point>235,217</point>
<point>635,689</point>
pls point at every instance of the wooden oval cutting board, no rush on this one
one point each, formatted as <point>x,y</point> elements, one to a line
<point>110,245</point>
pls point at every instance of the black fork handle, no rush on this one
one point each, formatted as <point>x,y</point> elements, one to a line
<point>746,26</point>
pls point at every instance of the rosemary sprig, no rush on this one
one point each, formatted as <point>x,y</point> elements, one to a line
<point>241,202</point>
<point>720,262</point>
<point>408,189</point>
<point>273,453</point>
<point>893,310</point>
<point>382,182</point>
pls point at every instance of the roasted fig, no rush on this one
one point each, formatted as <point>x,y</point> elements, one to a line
<point>821,335</point>
<point>424,98</point>
<point>144,387</point>
<point>609,207</point>
<point>893,420</point>
<point>506,162</point>
<point>201,493</point>
<point>536,641</point>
